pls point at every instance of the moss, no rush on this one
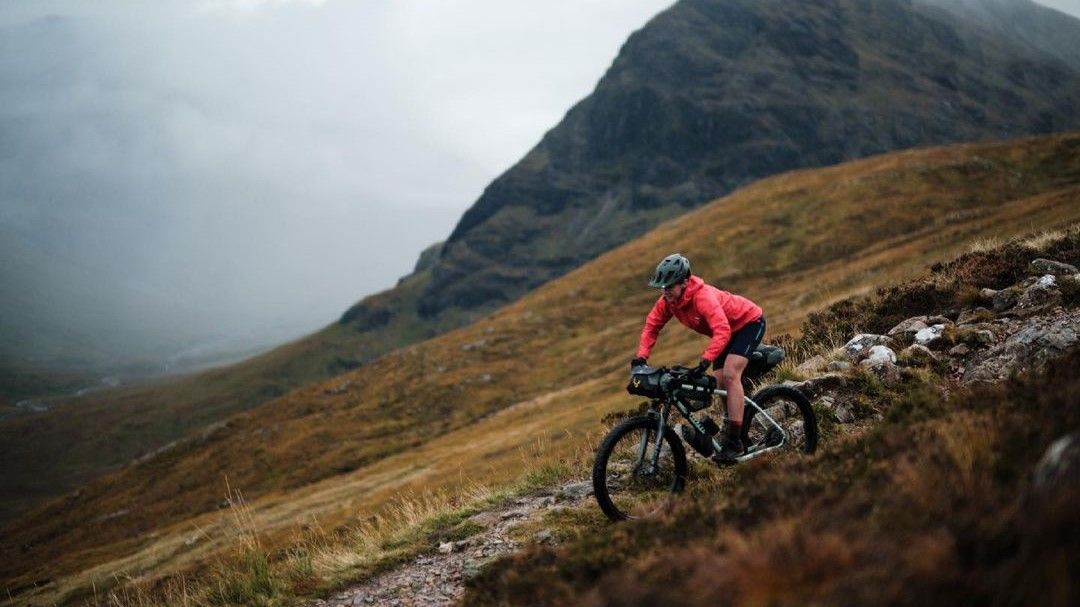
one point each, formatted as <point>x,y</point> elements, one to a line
<point>1070,291</point>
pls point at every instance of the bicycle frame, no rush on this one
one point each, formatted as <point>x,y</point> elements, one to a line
<point>663,413</point>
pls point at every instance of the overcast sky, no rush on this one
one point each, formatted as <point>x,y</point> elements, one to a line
<point>1071,7</point>
<point>247,169</point>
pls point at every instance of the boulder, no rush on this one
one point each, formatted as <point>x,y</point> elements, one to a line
<point>960,350</point>
<point>1048,266</point>
<point>916,355</point>
<point>857,348</point>
<point>576,490</point>
<point>911,325</point>
<point>843,413</point>
<point>811,365</point>
<point>1006,298</point>
<point>883,368</point>
<point>931,336</point>
<point>1041,294</point>
<point>916,324</point>
<point>879,355</point>
<point>975,336</point>
<point>838,365</point>
<point>1029,348</point>
<point>820,385</point>
<point>979,314</point>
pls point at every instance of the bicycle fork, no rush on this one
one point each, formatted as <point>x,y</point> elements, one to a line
<point>661,416</point>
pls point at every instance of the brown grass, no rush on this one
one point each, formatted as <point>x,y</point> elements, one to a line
<point>919,511</point>
<point>435,416</point>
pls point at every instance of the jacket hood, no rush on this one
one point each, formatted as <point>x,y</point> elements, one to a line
<point>692,286</point>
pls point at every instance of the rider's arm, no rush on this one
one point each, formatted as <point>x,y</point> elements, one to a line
<point>657,318</point>
<point>712,310</point>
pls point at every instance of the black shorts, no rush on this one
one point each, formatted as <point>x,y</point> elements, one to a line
<point>743,341</point>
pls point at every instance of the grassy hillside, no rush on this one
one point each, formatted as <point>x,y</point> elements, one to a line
<point>944,501</point>
<point>706,97</point>
<point>79,438</point>
<point>446,413</point>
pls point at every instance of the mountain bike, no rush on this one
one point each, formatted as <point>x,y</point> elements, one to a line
<point>641,462</point>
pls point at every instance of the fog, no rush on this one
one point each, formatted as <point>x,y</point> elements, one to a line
<point>181,177</point>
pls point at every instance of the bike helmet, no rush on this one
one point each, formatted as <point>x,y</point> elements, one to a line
<point>671,270</point>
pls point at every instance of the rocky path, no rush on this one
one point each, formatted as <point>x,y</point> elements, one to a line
<point>438,578</point>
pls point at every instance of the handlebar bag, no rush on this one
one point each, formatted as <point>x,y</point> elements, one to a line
<point>645,381</point>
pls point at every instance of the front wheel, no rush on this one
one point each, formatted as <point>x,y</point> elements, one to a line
<point>791,410</point>
<point>626,481</point>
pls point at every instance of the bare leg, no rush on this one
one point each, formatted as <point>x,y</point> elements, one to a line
<point>730,377</point>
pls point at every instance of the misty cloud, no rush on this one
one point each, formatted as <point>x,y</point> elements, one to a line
<point>243,171</point>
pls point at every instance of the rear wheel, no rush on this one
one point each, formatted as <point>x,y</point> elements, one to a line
<point>791,410</point>
<point>625,481</point>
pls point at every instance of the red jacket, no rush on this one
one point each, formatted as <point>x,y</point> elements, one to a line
<point>705,309</point>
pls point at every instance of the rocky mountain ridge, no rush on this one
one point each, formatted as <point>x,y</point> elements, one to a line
<point>712,94</point>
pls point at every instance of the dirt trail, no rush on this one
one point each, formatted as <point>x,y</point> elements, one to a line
<point>438,578</point>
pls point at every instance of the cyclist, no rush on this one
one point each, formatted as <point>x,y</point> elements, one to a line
<point>734,323</point>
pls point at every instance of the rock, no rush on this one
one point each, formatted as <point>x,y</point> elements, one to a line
<point>811,365</point>
<point>911,325</point>
<point>976,335</point>
<point>1006,298</point>
<point>446,547</point>
<point>470,569</point>
<point>988,294</point>
<point>857,347</point>
<point>930,336</point>
<point>916,355</point>
<point>843,414</point>
<point>1043,293</point>
<point>1029,348</point>
<point>1060,464</point>
<point>879,355</point>
<point>917,323</point>
<point>485,519</point>
<point>838,365</point>
<point>1048,266</point>
<point>827,402</point>
<point>979,314</point>
<point>817,386</point>
<point>960,350</point>
<point>544,536</point>
<point>885,369</point>
<point>578,490</point>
